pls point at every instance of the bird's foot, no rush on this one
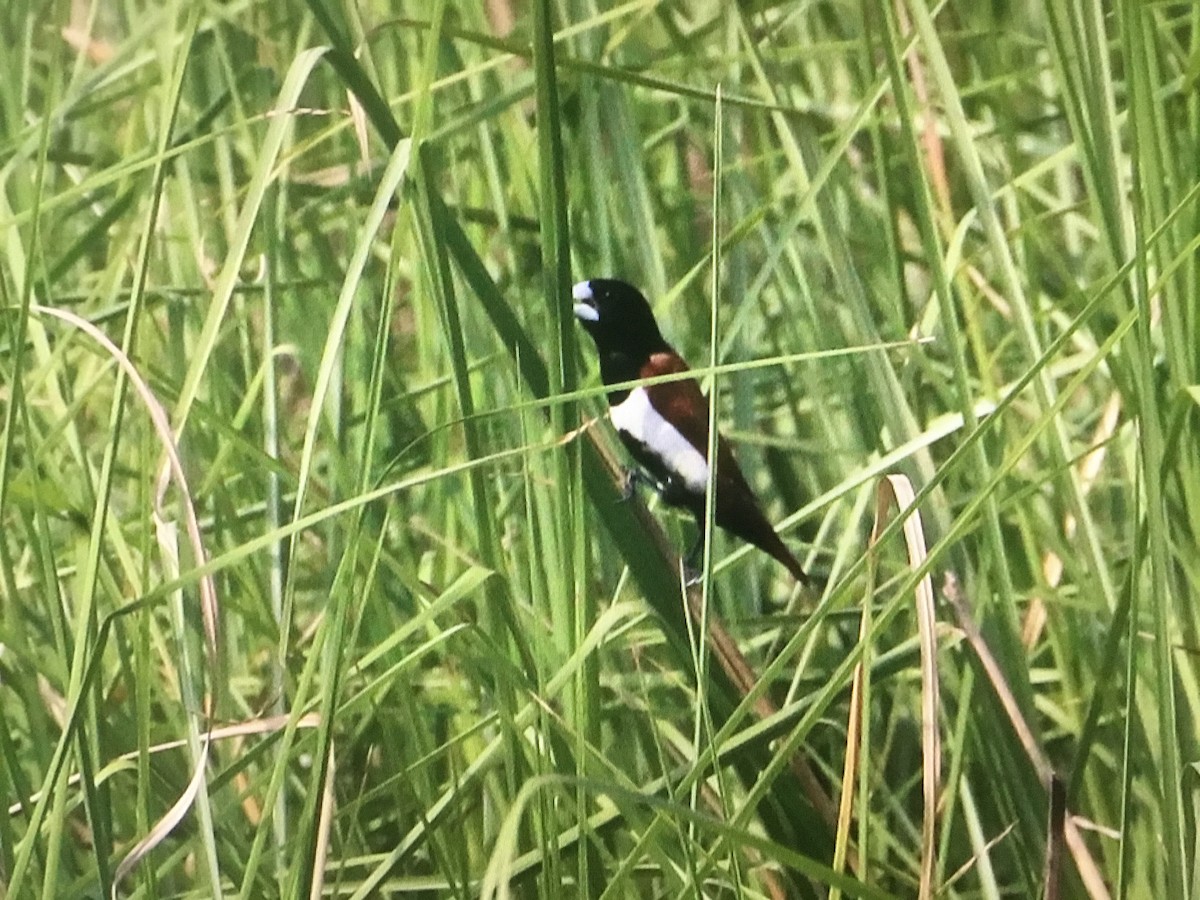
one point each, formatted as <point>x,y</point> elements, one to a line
<point>693,563</point>
<point>633,478</point>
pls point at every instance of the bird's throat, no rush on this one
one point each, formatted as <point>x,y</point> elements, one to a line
<point>617,367</point>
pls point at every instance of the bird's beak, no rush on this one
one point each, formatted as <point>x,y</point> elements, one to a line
<point>585,302</point>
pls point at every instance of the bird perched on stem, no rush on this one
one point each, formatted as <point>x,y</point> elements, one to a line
<point>665,426</point>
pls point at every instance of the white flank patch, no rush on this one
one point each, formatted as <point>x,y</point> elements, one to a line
<point>636,417</point>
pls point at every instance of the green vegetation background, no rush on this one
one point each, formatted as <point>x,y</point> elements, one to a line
<point>335,242</point>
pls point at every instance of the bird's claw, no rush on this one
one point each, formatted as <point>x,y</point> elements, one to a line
<point>693,563</point>
<point>628,487</point>
<point>632,479</point>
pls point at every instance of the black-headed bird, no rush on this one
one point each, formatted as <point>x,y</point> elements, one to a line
<point>665,426</point>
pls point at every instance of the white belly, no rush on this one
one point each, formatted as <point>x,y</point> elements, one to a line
<point>637,418</point>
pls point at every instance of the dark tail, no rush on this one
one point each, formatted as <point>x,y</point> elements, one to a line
<point>738,513</point>
<point>776,548</point>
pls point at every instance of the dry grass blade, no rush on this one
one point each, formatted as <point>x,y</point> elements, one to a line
<point>898,489</point>
<point>165,533</point>
<point>1055,838</point>
<point>850,768</point>
<point>325,826</point>
<point>1089,872</point>
<point>265,725</point>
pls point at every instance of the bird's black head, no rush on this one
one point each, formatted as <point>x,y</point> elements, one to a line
<point>619,320</point>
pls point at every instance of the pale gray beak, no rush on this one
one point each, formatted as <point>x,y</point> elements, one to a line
<point>584,298</point>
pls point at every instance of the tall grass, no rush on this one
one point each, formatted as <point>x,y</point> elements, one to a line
<point>333,244</point>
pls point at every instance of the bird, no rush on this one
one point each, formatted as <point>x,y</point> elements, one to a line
<point>664,426</point>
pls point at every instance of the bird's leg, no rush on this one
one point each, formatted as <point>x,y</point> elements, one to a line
<point>629,486</point>
<point>693,563</point>
<point>633,478</point>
